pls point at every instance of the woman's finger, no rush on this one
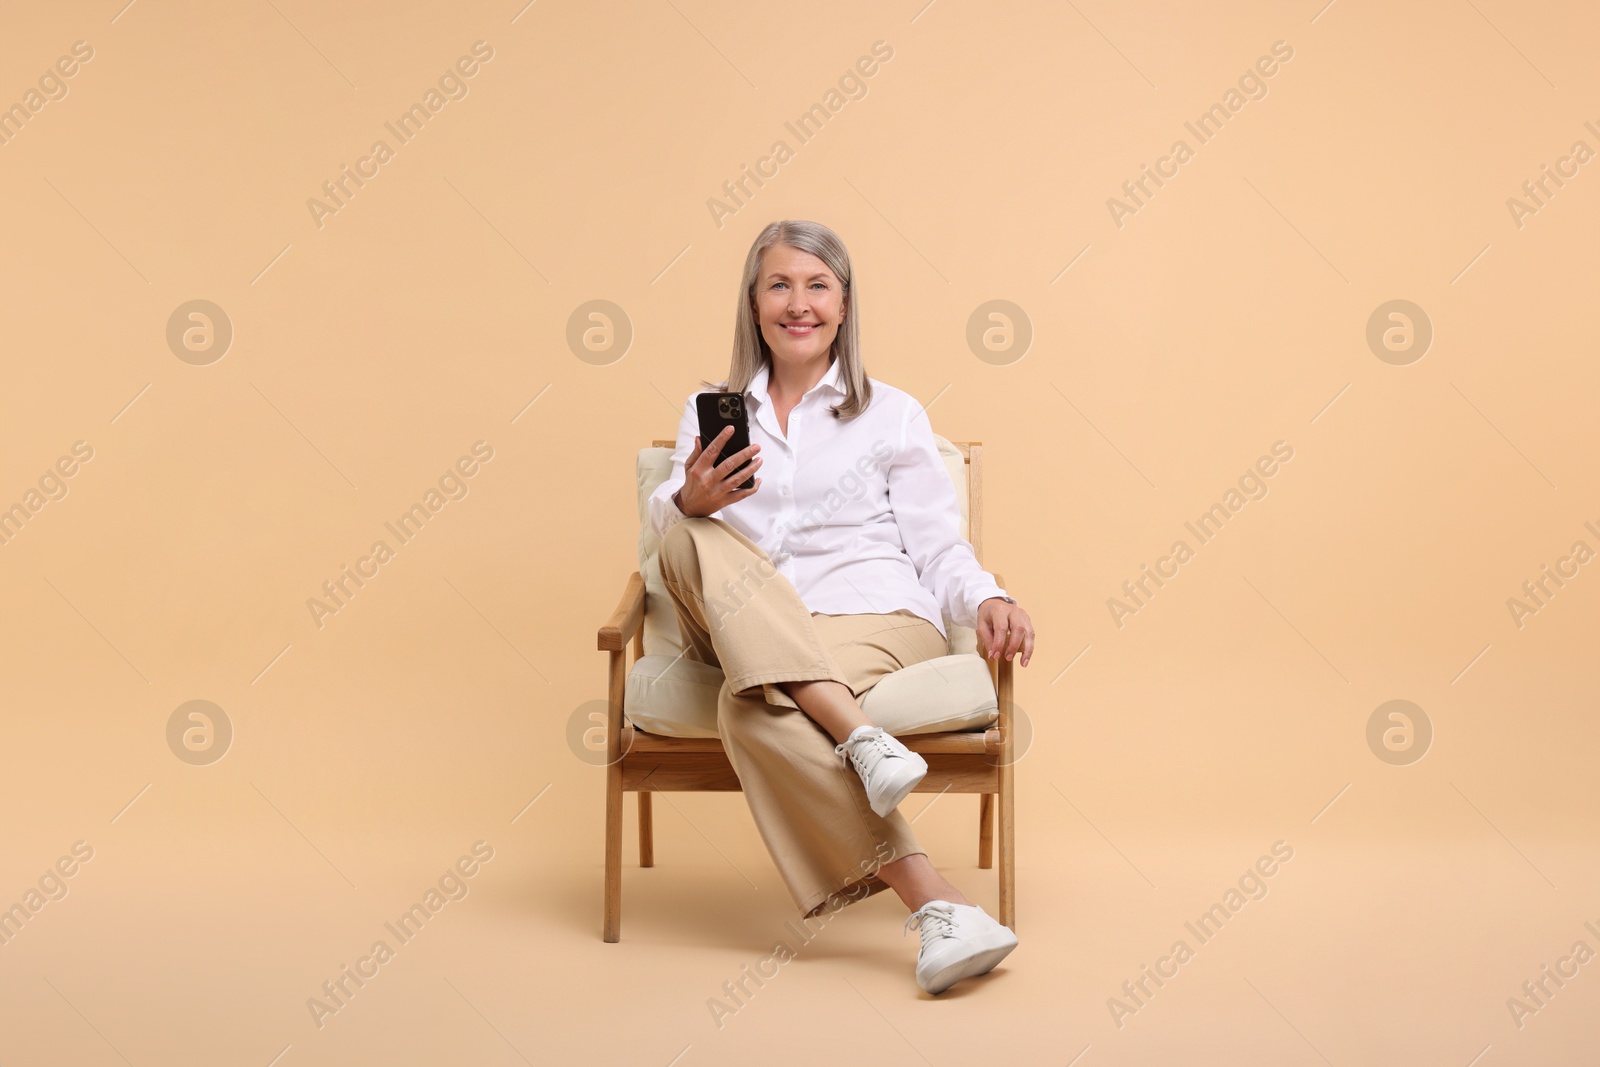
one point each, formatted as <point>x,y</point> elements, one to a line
<point>702,452</point>
<point>733,463</point>
<point>1017,637</point>
<point>735,478</point>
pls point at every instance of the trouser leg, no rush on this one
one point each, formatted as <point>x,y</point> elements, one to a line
<point>737,612</point>
<point>809,804</point>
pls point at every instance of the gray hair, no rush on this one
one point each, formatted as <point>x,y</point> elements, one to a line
<point>750,349</point>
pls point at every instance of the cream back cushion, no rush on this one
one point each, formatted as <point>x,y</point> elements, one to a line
<point>661,636</point>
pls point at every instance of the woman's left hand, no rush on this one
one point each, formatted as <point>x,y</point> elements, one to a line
<point>1004,629</point>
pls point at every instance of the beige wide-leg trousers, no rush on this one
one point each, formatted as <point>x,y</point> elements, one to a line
<point>738,612</point>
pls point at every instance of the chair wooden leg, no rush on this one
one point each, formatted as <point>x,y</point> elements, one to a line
<point>612,918</point>
<point>985,830</point>
<point>647,839</point>
<point>1008,853</point>
<point>1007,801</point>
<point>613,898</point>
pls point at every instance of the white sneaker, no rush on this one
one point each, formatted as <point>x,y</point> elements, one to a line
<point>958,941</point>
<point>888,769</point>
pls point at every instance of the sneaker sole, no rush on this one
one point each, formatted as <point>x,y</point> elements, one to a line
<point>892,801</point>
<point>979,963</point>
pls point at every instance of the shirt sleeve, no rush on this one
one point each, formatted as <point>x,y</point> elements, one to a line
<point>664,514</point>
<point>929,517</point>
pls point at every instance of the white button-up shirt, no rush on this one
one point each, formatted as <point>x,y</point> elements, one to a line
<point>860,515</point>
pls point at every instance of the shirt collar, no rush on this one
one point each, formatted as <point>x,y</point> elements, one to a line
<point>757,389</point>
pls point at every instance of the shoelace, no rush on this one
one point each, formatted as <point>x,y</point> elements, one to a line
<point>866,750</point>
<point>935,921</point>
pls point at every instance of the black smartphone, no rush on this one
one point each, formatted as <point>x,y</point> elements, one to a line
<point>718,411</point>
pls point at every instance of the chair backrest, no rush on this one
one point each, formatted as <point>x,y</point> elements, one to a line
<point>661,635</point>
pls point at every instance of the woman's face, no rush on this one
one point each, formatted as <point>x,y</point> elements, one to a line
<point>799,303</point>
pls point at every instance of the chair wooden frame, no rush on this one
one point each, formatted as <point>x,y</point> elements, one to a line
<point>637,761</point>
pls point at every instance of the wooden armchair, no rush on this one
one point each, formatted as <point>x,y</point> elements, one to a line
<point>960,761</point>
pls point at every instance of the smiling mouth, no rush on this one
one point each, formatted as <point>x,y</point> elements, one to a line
<point>800,329</point>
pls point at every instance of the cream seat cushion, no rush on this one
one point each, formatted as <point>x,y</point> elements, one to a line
<point>670,694</point>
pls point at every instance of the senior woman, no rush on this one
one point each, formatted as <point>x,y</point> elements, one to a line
<point>832,570</point>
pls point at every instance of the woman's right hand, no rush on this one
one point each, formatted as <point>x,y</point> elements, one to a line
<point>707,487</point>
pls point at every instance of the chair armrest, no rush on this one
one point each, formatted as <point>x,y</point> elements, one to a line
<point>618,630</point>
<point>1000,673</point>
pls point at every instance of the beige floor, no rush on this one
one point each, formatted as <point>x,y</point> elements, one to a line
<point>217,904</point>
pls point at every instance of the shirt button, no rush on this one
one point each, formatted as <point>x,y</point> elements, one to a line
<point>784,490</point>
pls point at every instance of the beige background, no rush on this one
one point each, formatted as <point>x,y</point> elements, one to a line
<point>431,311</point>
